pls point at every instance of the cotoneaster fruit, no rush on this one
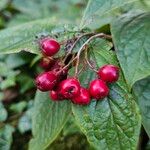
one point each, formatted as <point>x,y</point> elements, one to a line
<point>49,46</point>
<point>109,73</point>
<point>69,88</point>
<point>83,98</point>
<point>98,89</point>
<point>46,81</point>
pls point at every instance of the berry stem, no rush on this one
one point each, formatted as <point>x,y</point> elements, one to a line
<point>65,67</point>
<point>74,44</point>
<point>100,35</point>
<point>87,61</point>
<point>83,67</point>
<point>63,42</point>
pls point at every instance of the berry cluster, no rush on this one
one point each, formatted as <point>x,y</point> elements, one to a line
<point>55,80</point>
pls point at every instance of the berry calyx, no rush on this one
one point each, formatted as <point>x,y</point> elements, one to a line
<point>46,81</point>
<point>98,89</point>
<point>49,46</point>
<point>55,96</point>
<point>70,88</point>
<point>83,98</point>
<point>109,73</point>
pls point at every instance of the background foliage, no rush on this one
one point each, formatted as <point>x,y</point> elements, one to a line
<point>34,122</point>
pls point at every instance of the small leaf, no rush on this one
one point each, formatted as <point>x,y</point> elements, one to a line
<point>3,113</point>
<point>100,12</point>
<point>114,122</point>
<point>6,137</point>
<point>5,71</point>
<point>24,78</point>
<point>3,4</point>
<point>18,107</point>
<point>131,39</point>
<point>142,92</point>
<point>8,82</point>
<point>48,120</point>
<point>25,123</point>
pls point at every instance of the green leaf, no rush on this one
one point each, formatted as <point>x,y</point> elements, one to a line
<point>18,107</point>
<point>131,39</point>
<point>19,60</point>
<point>148,146</point>
<point>142,92</point>
<point>26,37</point>
<point>8,82</point>
<point>3,113</point>
<point>6,137</point>
<point>23,37</point>
<point>71,127</point>
<point>33,9</point>
<point>101,12</point>
<point>5,71</point>
<point>113,123</point>
<point>48,120</point>
<point>24,78</point>
<point>25,123</point>
<point>3,4</point>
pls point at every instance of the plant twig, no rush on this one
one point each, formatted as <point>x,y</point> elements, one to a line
<point>101,35</point>
<point>83,67</point>
<point>87,61</point>
<point>65,67</point>
<point>74,44</point>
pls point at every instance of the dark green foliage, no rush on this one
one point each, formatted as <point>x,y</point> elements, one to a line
<point>35,122</point>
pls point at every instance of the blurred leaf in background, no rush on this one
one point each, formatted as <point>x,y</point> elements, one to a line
<point>3,113</point>
<point>6,137</point>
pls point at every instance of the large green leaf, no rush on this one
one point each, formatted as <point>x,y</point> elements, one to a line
<point>142,92</point>
<point>101,12</point>
<point>22,37</point>
<point>131,39</point>
<point>113,123</point>
<point>25,37</point>
<point>44,8</point>
<point>38,9</point>
<point>48,120</point>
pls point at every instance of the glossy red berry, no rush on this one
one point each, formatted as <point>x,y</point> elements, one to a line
<point>49,46</point>
<point>108,73</point>
<point>70,88</point>
<point>83,98</point>
<point>98,89</point>
<point>55,96</point>
<point>46,81</point>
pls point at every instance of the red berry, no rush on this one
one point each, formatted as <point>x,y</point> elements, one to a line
<point>49,46</point>
<point>47,62</point>
<point>98,89</point>
<point>55,96</point>
<point>46,81</point>
<point>70,88</point>
<point>83,98</point>
<point>62,75</point>
<point>109,73</point>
